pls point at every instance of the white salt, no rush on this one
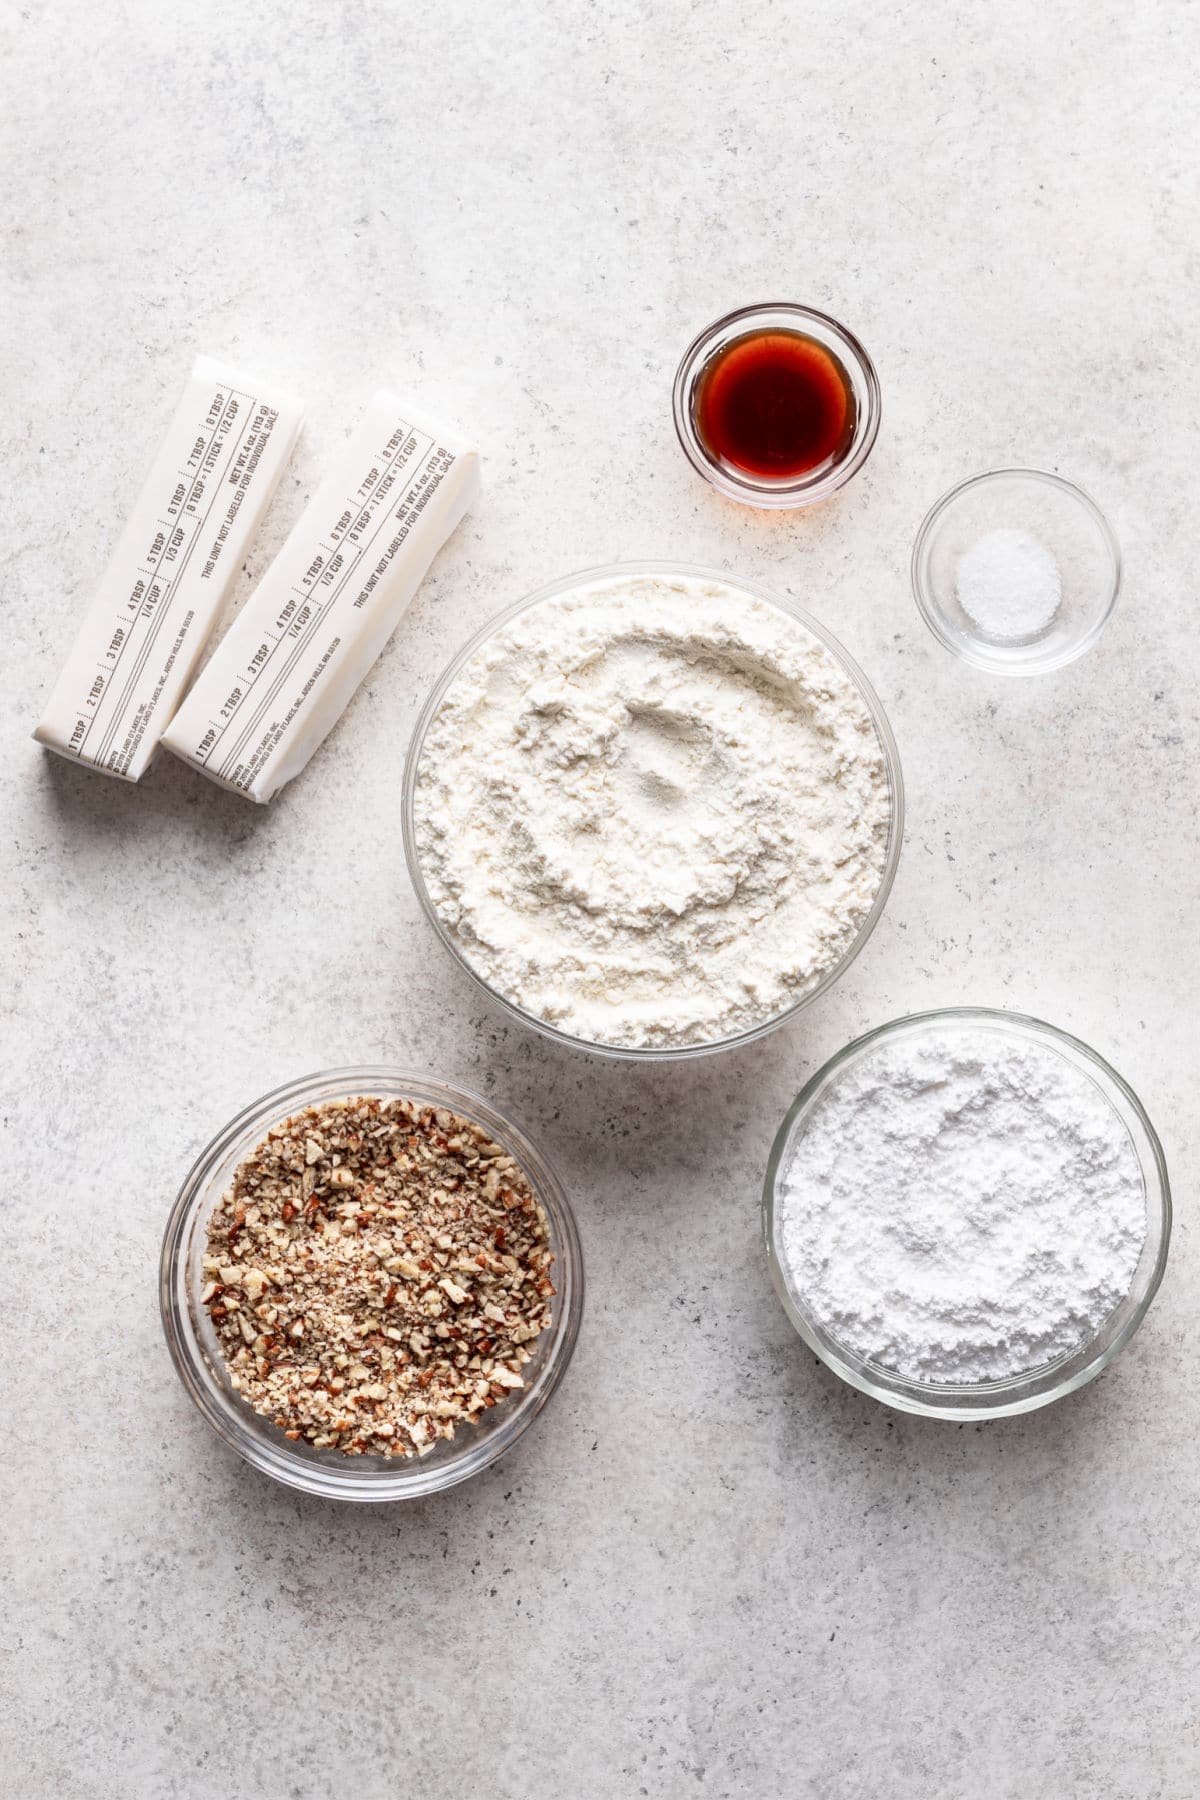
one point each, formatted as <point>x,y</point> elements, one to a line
<point>1009,584</point>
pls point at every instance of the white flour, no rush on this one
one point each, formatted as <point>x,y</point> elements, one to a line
<point>652,811</point>
<point>1009,584</point>
<point>963,1211</point>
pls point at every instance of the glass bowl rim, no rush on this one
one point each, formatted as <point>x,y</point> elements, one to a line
<point>1020,1393</point>
<point>888,750</point>
<point>974,652</point>
<point>804,491</point>
<point>269,1452</point>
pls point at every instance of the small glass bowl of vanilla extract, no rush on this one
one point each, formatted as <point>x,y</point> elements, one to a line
<point>776,406</point>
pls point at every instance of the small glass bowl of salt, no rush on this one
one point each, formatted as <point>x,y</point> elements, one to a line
<point>1016,571</point>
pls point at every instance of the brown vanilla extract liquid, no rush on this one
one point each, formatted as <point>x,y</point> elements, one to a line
<point>775,405</point>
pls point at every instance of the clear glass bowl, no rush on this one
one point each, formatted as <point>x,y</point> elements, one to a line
<point>193,1343</point>
<point>816,483</point>
<point>1037,1387</point>
<point>1066,520</point>
<point>891,759</point>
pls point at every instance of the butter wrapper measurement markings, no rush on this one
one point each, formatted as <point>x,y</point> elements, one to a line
<point>284,673</point>
<point>215,472</point>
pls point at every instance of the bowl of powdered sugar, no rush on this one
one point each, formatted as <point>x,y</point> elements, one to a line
<point>653,812</point>
<point>967,1213</point>
<point>1016,571</point>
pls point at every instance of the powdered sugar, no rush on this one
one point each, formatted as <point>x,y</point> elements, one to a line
<point>1009,583</point>
<point>962,1206</point>
<point>652,811</point>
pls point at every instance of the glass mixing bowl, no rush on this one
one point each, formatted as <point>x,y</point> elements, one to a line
<point>887,744</point>
<point>193,1343</point>
<point>1035,1387</point>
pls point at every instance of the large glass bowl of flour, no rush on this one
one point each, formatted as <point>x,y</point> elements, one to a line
<point>967,1192</point>
<point>652,811</point>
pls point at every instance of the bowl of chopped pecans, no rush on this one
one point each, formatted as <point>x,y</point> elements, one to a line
<point>371,1284</point>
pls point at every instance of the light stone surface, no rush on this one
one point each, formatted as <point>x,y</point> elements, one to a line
<point>708,1569</point>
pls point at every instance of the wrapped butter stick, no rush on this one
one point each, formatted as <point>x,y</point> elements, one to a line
<point>280,680</point>
<point>159,598</point>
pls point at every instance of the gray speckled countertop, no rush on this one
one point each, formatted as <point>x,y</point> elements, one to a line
<point>709,1569</point>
